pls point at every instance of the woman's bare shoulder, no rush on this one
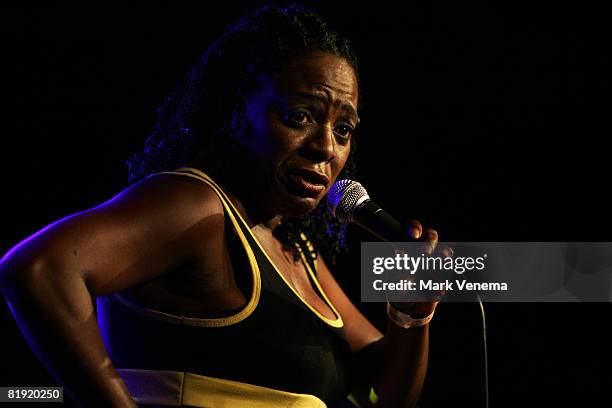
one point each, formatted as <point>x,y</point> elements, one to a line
<point>139,234</point>
<point>166,192</point>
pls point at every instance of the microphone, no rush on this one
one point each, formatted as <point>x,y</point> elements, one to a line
<point>350,202</point>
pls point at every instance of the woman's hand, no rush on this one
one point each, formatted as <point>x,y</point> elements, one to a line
<point>429,238</point>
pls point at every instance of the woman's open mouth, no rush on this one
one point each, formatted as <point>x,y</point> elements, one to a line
<point>306,183</point>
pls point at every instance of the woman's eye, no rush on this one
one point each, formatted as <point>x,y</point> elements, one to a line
<point>300,117</point>
<point>344,130</point>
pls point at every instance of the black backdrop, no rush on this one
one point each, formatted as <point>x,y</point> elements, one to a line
<point>486,123</point>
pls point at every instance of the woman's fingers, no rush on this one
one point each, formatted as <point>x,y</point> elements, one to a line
<point>444,251</point>
<point>415,229</point>
<point>430,238</point>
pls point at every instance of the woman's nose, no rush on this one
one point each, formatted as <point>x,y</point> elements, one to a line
<point>320,146</point>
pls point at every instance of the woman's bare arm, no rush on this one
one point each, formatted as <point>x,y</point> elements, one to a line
<point>50,278</point>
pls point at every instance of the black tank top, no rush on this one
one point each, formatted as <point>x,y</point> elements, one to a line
<point>277,340</point>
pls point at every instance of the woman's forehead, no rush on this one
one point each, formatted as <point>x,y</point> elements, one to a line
<point>326,75</point>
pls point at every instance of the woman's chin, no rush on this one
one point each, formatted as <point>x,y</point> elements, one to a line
<point>300,206</point>
<point>295,206</point>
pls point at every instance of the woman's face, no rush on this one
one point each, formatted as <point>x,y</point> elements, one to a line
<point>301,124</point>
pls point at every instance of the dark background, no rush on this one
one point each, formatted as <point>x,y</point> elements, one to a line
<point>486,123</point>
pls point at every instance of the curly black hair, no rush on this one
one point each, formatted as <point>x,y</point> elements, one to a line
<point>195,123</point>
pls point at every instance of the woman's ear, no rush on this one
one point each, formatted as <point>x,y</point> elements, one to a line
<point>239,127</point>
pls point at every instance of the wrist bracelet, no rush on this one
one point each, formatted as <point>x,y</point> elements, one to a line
<point>405,320</point>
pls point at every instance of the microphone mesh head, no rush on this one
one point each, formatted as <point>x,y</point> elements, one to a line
<point>345,197</point>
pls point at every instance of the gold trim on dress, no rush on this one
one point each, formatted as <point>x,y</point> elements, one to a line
<point>334,323</point>
<point>211,322</point>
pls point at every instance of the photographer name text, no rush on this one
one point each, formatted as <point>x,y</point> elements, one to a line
<point>432,285</point>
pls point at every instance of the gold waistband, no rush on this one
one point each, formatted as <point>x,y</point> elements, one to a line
<point>175,389</point>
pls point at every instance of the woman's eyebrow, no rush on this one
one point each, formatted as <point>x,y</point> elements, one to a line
<point>351,112</point>
<point>325,99</point>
